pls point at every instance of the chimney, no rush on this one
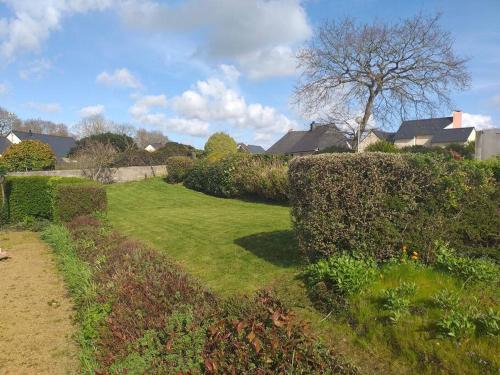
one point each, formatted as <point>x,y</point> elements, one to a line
<point>457,119</point>
<point>312,125</point>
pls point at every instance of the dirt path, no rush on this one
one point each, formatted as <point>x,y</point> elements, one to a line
<point>35,313</point>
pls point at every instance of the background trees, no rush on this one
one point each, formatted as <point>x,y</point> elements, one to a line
<point>385,71</point>
<point>8,121</point>
<point>120,142</point>
<point>144,137</point>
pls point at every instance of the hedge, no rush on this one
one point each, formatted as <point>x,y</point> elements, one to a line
<point>34,197</point>
<point>241,175</point>
<point>177,168</point>
<point>71,200</point>
<point>373,204</point>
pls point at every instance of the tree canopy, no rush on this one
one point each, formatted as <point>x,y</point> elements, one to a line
<point>120,142</point>
<point>29,155</point>
<point>220,143</point>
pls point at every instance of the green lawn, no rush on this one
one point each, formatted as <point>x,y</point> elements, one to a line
<point>237,247</point>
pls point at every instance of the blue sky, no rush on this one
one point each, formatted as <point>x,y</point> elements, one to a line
<point>190,68</point>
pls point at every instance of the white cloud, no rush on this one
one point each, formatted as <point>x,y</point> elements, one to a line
<point>120,77</point>
<point>144,104</point>
<point>258,34</point>
<point>32,22</point>
<point>35,69</point>
<point>478,121</point>
<point>3,89</point>
<point>45,107</point>
<point>212,101</point>
<point>91,110</point>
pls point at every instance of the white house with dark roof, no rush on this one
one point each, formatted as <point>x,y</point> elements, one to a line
<point>434,132</point>
<point>59,144</point>
<point>373,136</point>
<point>154,147</point>
<point>252,149</point>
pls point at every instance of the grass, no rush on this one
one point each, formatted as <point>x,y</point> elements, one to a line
<point>237,247</point>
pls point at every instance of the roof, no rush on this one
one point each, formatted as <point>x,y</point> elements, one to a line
<point>454,135</point>
<point>59,144</point>
<point>4,144</point>
<point>413,128</point>
<point>381,134</point>
<point>285,143</point>
<point>253,149</point>
<point>319,137</point>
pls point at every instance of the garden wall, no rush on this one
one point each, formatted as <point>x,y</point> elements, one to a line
<point>374,204</point>
<point>123,174</point>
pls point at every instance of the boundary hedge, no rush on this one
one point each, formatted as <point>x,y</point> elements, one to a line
<point>375,203</point>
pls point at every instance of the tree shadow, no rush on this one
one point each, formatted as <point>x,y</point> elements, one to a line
<point>278,247</point>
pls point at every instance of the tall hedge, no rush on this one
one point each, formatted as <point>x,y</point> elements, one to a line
<point>34,196</point>
<point>375,203</point>
<point>72,200</point>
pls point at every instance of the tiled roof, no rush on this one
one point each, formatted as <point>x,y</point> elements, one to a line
<point>4,144</point>
<point>381,134</point>
<point>458,135</point>
<point>285,143</point>
<point>413,128</point>
<point>60,145</point>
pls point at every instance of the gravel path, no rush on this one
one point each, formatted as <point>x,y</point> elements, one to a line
<point>35,313</point>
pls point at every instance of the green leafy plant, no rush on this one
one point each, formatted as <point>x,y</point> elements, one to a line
<point>488,323</point>
<point>382,146</point>
<point>397,300</point>
<point>466,269</point>
<point>446,299</point>
<point>177,168</point>
<point>455,324</point>
<point>221,143</point>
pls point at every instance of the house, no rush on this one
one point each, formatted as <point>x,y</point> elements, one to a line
<point>59,144</point>
<point>434,132</point>
<point>154,147</point>
<point>306,142</point>
<point>252,149</point>
<point>373,136</point>
<point>488,143</point>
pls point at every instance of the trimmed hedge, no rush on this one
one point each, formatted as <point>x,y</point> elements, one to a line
<point>72,200</point>
<point>375,203</point>
<point>34,197</point>
<point>241,175</point>
<point>177,168</point>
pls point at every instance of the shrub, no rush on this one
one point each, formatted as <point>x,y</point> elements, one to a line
<point>29,155</point>
<point>220,143</point>
<point>374,203</point>
<point>397,300</point>
<point>382,146</point>
<point>241,175</point>
<point>71,200</point>
<point>466,269</point>
<point>455,324</point>
<point>177,168</point>
<point>120,142</point>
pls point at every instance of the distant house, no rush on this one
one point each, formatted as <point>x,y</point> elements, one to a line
<point>373,136</point>
<point>305,142</point>
<point>59,144</point>
<point>154,147</point>
<point>434,132</point>
<point>252,149</point>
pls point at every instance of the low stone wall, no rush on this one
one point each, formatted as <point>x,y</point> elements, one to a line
<point>123,174</point>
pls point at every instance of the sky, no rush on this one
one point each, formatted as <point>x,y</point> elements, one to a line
<point>193,67</point>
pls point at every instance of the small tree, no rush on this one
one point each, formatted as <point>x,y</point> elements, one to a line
<point>29,155</point>
<point>96,160</point>
<point>221,143</point>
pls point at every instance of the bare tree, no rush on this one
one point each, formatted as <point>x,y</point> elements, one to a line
<point>92,125</point>
<point>8,121</point>
<point>96,160</point>
<point>43,127</point>
<point>145,137</point>
<point>378,71</point>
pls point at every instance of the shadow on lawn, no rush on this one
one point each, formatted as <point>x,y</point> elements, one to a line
<point>278,247</point>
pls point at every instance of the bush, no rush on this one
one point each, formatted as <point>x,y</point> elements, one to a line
<point>71,200</point>
<point>120,142</point>
<point>220,143</point>
<point>382,146</point>
<point>241,175</point>
<point>177,168</point>
<point>28,156</point>
<point>374,203</point>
